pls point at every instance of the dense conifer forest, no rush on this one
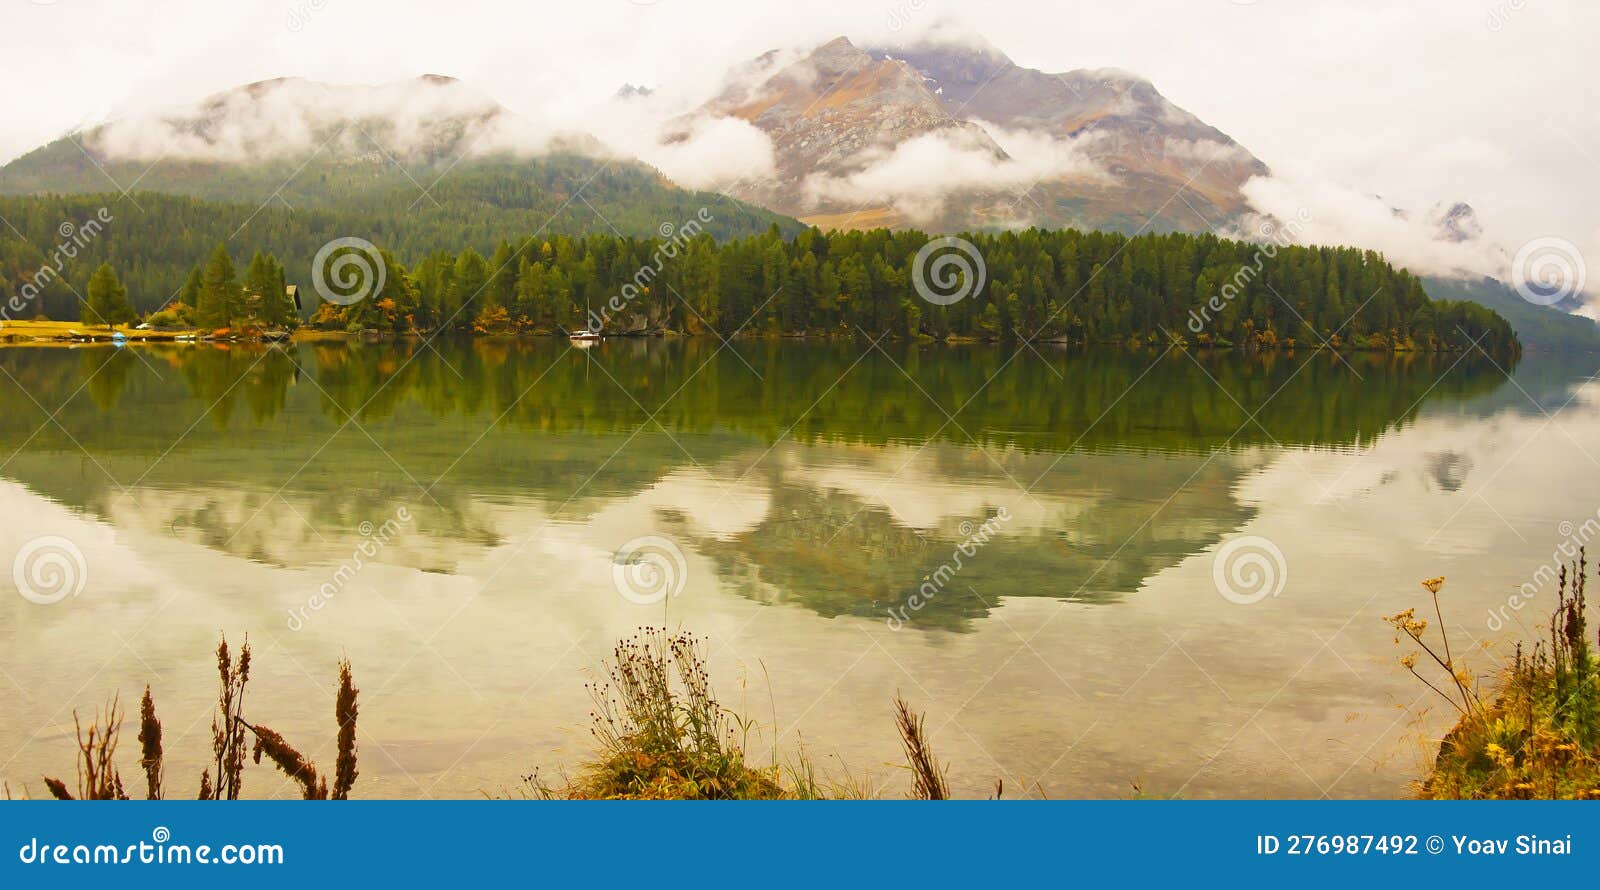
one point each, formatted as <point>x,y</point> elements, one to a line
<point>695,274</point>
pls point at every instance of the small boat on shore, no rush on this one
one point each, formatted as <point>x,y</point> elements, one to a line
<point>585,335</point>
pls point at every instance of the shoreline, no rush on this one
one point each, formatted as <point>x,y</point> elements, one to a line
<point>311,335</point>
<point>46,333</point>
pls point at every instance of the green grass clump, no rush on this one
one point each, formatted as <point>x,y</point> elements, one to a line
<point>662,733</point>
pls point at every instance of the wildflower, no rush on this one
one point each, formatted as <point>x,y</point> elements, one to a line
<point>1408,623</point>
<point>1433,584</point>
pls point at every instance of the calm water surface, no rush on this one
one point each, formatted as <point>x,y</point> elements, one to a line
<point>811,489</point>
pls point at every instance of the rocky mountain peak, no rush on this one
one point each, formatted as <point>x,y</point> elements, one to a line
<point>1107,148</point>
<point>1456,222</point>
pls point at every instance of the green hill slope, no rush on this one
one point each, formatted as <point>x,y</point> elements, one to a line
<point>154,238</point>
<point>1540,328</point>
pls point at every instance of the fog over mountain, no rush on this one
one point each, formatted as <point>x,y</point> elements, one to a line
<point>941,130</point>
<point>415,119</point>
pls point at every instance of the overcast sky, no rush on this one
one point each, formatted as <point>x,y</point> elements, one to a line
<point>1488,102</point>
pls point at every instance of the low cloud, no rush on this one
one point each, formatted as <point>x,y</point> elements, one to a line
<point>430,118</point>
<point>1427,241</point>
<point>713,153</point>
<point>700,152</point>
<point>1335,214</point>
<point>918,176</point>
<point>293,117</point>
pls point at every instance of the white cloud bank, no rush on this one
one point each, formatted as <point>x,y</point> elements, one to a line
<point>919,175</point>
<point>1335,214</point>
<point>291,117</point>
<point>1545,269</point>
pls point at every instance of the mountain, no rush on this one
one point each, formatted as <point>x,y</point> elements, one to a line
<point>944,132</point>
<point>828,115</point>
<point>415,166</point>
<point>1456,223</point>
<point>412,155</point>
<point>1149,147</point>
<point>947,133</point>
<point>1540,328</point>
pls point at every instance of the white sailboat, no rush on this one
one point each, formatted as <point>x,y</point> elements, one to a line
<point>590,332</point>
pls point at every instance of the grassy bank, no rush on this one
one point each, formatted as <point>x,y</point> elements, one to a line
<point>41,332</point>
<point>1534,731</point>
<point>661,734</point>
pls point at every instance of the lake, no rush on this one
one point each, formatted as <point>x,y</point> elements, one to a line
<point>1090,569</point>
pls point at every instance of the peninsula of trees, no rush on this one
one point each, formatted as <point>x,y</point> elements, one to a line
<point>1067,285</point>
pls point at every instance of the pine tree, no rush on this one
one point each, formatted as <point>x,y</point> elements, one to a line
<point>108,299</point>
<point>468,280</point>
<point>258,285</point>
<point>189,295</point>
<point>220,293</point>
<point>277,310</point>
<point>501,290</point>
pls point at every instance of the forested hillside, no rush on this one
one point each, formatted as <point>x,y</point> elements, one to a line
<point>153,239</point>
<point>1083,287</point>
<point>1544,328</point>
<point>1069,285</point>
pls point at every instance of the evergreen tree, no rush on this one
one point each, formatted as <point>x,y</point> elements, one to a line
<point>277,311</point>
<point>220,293</point>
<point>258,287</point>
<point>108,299</point>
<point>469,279</point>
<point>189,294</point>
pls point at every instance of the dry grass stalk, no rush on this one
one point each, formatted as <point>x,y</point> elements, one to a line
<point>662,732</point>
<point>344,713</point>
<point>1466,699</point>
<point>150,746</point>
<point>97,749</point>
<point>227,731</point>
<point>98,778</point>
<point>928,777</point>
<point>663,735</point>
<point>292,762</point>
